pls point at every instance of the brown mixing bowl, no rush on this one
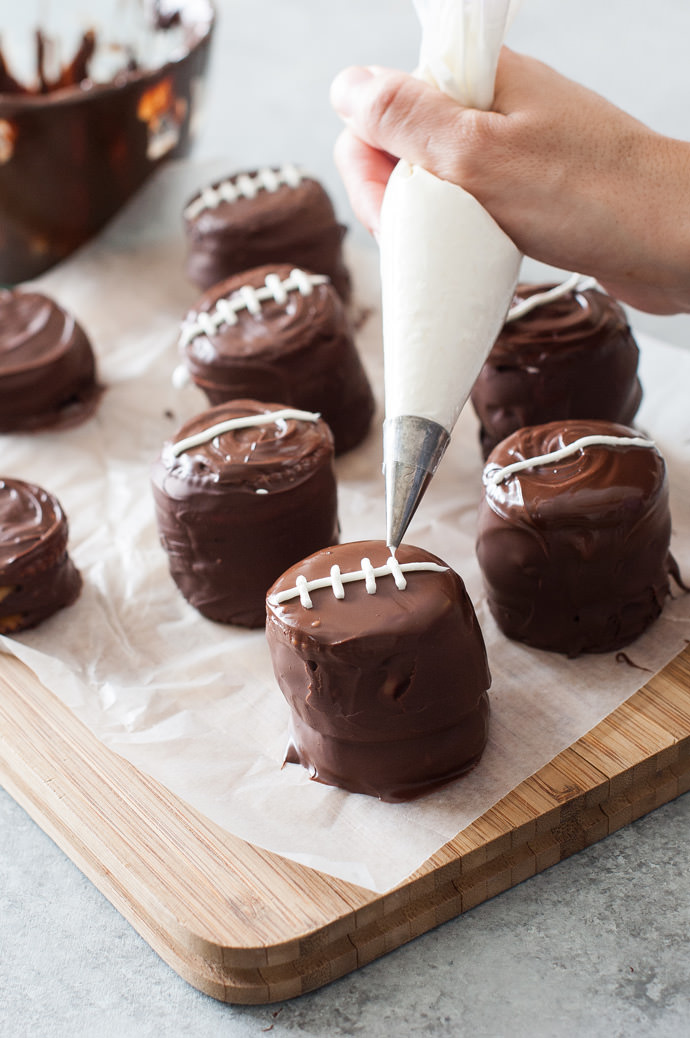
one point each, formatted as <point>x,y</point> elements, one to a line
<point>69,159</point>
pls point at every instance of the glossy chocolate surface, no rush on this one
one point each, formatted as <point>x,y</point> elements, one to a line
<point>574,357</point>
<point>37,576</point>
<point>301,351</point>
<point>104,140</point>
<point>575,553</point>
<point>47,366</point>
<point>236,511</point>
<point>387,691</point>
<point>295,225</point>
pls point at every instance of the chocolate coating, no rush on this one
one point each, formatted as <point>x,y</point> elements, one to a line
<point>574,357</point>
<point>104,140</point>
<point>387,691</point>
<point>234,512</point>
<point>37,576</point>
<point>47,366</point>
<point>301,351</point>
<point>575,554</point>
<point>295,225</point>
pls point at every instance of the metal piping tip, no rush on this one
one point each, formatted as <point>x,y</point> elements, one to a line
<point>412,449</point>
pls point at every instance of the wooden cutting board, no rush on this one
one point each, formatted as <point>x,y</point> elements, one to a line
<point>245,925</point>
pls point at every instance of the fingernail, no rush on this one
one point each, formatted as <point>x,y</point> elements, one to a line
<point>343,86</point>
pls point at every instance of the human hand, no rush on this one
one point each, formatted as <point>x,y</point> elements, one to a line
<point>574,181</point>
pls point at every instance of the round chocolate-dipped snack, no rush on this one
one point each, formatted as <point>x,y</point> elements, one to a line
<point>37,576</point>
<point>573,536</point>
<point>241,492</point>
<point>280,333</point>
<point>383,665</point>
<point>264,216</point>
<point>47,366</point>
<point>566,351</point>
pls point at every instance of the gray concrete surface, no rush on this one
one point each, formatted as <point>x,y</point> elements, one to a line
<point>596,946</point>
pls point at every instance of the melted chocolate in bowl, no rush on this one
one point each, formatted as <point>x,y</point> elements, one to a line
<point>73,151</point>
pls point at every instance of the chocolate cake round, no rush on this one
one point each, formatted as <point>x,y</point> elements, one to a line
<point>279,333</point>
<point>37,576</point>
<point>573,536</point>
<point>241,492</point>
<point>572,356</point>
<point>383,665</point>
<point>47,367</point>
<point>264,216</point>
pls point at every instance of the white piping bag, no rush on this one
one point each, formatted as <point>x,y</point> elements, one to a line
<point>448,271</point>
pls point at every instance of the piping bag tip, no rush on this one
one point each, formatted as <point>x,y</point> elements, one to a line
<point>412,450</point>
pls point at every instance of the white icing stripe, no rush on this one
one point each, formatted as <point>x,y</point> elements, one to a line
<point>245,422</point>
<point>249,298</point>
<point>502,474</point>
<point>368,573</point>
<point>244,186</point>
<point>575,283</point>
<point>336,582</point>
<point>369,576</point>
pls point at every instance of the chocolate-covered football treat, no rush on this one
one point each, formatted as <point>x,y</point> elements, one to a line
<point>264,216</point>
<point>241,492</point>
<point>37,576</point>
<point>279,333</point>
<point>573,536</point>
<point>572,355</point>
<point>47,367</point>
<point>383,665</point>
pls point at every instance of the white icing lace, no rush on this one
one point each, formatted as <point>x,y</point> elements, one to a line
<point>501,474</point>
<point>246,185</point>
<point>248,298</point>
<point>368,573</point>
<point>244,422</point>
<point>575,283</point>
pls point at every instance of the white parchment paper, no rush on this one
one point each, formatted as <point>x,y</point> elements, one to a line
<point>194,703</point>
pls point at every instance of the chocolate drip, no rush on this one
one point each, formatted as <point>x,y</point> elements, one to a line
<point>387,691</point>
<point>295,225</point>
<point>8,84</point>
<point>575,554</point>
<point>37,577</point>
<point>574,357</point>
<point>301,351</point>
<point>236,511</point>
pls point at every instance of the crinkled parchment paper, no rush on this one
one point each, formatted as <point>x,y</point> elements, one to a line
<point>195,703</point>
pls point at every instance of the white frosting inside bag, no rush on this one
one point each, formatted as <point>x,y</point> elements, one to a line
<point>448,271</point>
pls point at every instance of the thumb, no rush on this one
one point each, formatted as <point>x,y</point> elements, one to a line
<point>396,113</point>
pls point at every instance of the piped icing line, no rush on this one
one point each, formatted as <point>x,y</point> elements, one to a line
<point>575,283</point>
<point>501,474</point>
<point>368,573</point>
<point>245,422</point>
<point>246,185</point>
<point>249,298</point>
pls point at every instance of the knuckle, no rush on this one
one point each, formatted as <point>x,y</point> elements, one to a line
<point>391,104</point>
<point>475,138</point>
